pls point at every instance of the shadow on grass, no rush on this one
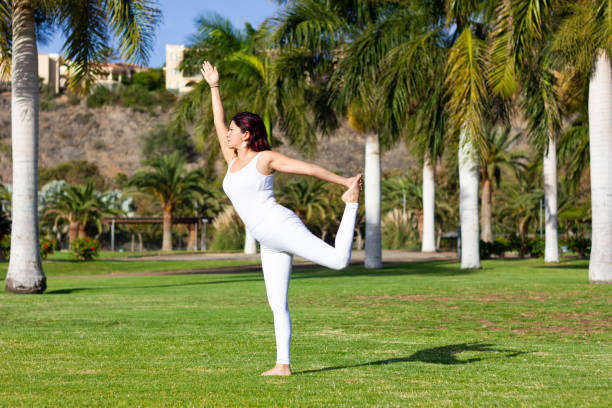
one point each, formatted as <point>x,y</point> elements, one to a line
<point>437,268</point>
<point>434,268</point>
<point>438,355</point>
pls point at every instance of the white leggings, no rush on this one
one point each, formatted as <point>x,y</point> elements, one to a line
<point>277,250</point>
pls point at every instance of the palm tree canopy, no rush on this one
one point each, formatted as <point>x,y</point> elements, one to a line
<point>169,181</point>
<point>89,27</point>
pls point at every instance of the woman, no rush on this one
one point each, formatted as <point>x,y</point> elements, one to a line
<point>249,185</point>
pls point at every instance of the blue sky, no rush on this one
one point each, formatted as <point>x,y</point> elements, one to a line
<point>178,21</point>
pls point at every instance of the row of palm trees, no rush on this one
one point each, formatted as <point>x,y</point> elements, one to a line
<point>436,73</point>
<point>433,73</point>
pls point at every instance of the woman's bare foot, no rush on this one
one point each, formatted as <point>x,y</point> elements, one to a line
<point>279,369</point>
<point>352,194</point>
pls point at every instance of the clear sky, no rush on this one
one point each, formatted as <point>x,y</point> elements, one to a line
<point>178,24</point>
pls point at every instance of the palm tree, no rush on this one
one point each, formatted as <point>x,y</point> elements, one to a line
<point>497,159</point>
<point>340,44</point>
<point>521,55</point>
<point>80,206</point>
<point>306,197</point>
<point>169,182</point>
<point>86,27</point>
<point>584,39</point>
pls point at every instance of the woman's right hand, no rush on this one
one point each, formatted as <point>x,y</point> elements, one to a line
<point>210,73</point>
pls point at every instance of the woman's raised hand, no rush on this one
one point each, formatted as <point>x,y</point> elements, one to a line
<point>210,73</point>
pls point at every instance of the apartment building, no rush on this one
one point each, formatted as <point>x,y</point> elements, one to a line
<point>175,81</point>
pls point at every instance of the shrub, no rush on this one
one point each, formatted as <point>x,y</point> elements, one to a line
<point>536,247</point>
<point>228,231</point>
<point>5,247</point>
<point>580,245</point>
<point>136,97</point>
<point>519,244</point>
<point>86,248</point>
<point>100,96</point>
<point>397,231</point>
<point>162,140</point>
<point>47,246</point>
<point>152,79</point>
<point>496,248</point>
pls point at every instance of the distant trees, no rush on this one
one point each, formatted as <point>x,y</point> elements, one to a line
<point>170,183</point>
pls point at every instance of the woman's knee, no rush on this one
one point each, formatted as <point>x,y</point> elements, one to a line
<point>340,263</point>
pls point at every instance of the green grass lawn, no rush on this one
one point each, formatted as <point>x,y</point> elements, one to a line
<point>66,264</point>
<point>516,333</point>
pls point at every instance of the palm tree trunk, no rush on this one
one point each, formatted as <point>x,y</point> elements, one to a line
<point>551,250</point>
<point>373,243</point>
<point>428,244</point>
<point>81,233</point>
<point>468,203</point>
<point>250,246</point>
<point>191,243</point>
<point>25,274</point>
<point>600,130</point>
<point>485,211</point>
<point>167,234</point>
<point>73,233</point>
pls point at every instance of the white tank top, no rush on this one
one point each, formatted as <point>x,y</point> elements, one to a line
<point>251,192</point>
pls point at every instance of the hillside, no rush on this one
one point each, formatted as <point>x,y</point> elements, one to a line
<point>111,137</point>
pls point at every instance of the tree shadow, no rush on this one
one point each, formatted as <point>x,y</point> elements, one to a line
<point>100,288</point>
<point>437,268</point>
<point>446,355</point>
<point>425,268</point>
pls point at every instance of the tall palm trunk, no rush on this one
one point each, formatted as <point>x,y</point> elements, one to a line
<point>167,234</point>
<point>468,203</point>
<point>485,210</point>
<point>428,244</point>
<point>551,250</point>
<point>373,243</point>
<point>250,246</point>
<point>25,274</point>
<point>600,130</point>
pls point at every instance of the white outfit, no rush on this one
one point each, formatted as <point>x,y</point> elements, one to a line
<point>282,234</point>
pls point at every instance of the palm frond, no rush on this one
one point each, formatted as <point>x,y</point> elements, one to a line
<point>466,88</point>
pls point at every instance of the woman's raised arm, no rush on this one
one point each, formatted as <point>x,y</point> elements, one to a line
<point>211,76</point>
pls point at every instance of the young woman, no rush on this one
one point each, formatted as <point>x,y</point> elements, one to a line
<point>249,185</point>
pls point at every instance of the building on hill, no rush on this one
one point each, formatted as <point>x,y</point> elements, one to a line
<point>115,73</point>
<point>175,81</point>
<point>53,73</point>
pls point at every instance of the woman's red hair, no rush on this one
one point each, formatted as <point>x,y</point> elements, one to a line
<point>253,123</point>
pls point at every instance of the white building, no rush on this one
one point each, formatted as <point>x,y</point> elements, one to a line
<point>175,81</point>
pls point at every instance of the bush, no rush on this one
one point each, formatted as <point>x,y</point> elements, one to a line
<point>47,247</point>
<point>100,96</point>
<point>86,248</point>
<point>580,245</point>
<point>228,231</point>
<point>5,247</point>
<point>152,79</point>
<point>519,244</point>
<point>397,231</point>
<point>536,247</point>
<point>137,97</point>
<point>496,248</point>
<point>162,141</point>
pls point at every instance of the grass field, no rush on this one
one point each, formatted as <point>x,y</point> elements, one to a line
<point>66,264</point>
<point>516,333</point>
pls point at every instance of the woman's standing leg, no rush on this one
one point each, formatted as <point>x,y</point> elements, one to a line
<point>276,267</point>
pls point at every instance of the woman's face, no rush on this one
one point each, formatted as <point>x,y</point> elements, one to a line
<point>235,137</point>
